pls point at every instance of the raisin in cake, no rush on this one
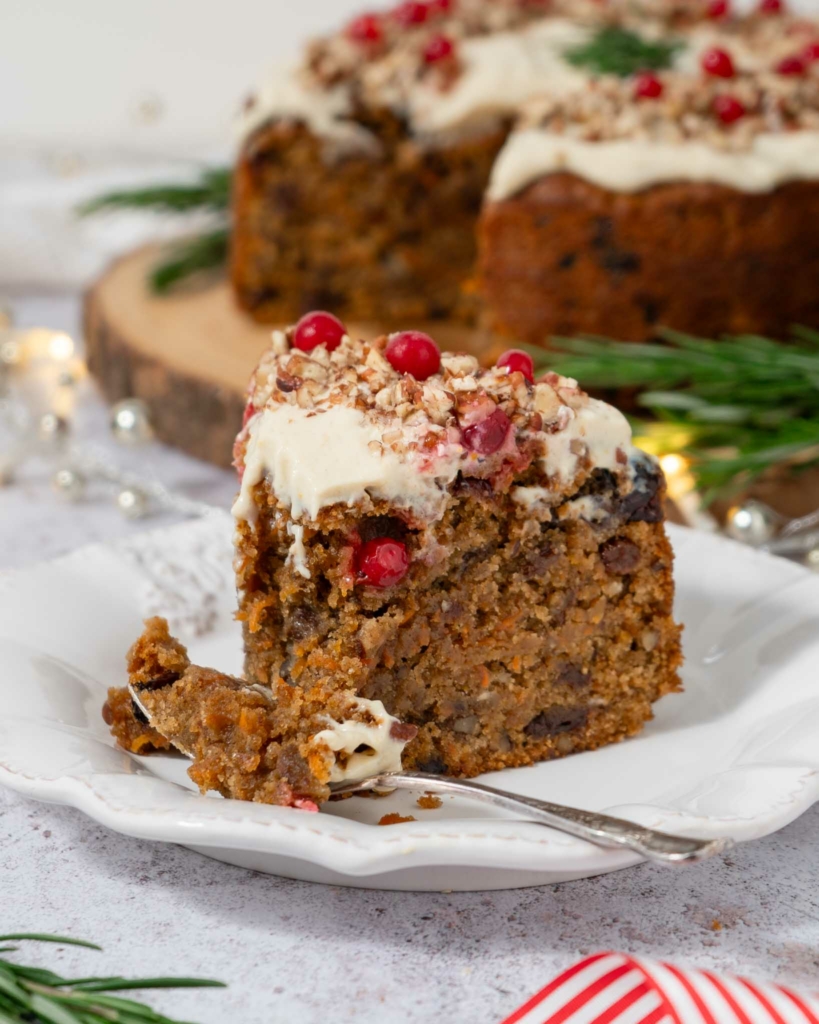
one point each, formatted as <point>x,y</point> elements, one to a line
<point>481,553</point>
<point>279,744</point>
<point>559,167</point>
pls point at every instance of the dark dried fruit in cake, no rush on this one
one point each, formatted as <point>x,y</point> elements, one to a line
<point>415,353</point>
<point>620,556</point>
<point>316,329</point>
<point>556,720</point>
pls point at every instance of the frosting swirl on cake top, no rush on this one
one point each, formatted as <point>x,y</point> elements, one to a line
<point>345,427</point>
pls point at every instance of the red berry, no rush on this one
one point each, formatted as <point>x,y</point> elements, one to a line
<point>771,7</point>
<point>515,359</point>
<point>366,29</point>
<point>811,53</point>
<point>718,63</point>
<point>488,435</point>
<point>718,9</point>
<point>411,12</point>
<point>728,109</point>
<point>791,66</point>
<point>647,86</point>
<point>318,329</point>
<point>438,48</point>
<point>383,562</point>
<point>441,6</point>
<point>415,353</point>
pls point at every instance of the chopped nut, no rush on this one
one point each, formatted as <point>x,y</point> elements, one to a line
<point>546,401</point>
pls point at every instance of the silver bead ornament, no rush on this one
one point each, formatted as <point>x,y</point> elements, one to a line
<point>52,427</point>
<point>131,422</point>
<point>132,503</point>
<point>751,523</point>
<point>69,484</point>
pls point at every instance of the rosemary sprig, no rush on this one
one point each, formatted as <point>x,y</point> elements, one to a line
<point>736,406</point>
<point>211,192</point>
<point>618,51</point>
<point>192,256</point>
<point>36,995</point>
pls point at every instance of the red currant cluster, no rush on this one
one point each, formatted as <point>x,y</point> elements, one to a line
<point>719,64</point>
<point>370,30</point>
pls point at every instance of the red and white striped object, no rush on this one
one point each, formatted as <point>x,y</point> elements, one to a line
<point>612,988</point>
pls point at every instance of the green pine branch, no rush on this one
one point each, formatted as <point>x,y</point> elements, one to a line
<point>211,192</point>
<point>735,406</point>
<point>36,995</point>
<point>182,260</point>
<point>618,51</point>
<point>192,256</point>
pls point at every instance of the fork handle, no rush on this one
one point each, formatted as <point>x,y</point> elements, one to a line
<point>600,829</point>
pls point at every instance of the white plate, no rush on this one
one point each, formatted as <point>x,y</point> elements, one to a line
<point>737,754</point>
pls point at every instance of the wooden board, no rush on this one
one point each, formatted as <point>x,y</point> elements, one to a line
<point>190,355</point>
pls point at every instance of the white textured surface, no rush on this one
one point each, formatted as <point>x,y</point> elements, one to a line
<point>297,951</point>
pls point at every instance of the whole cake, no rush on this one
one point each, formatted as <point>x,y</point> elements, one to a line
<point>540,166</point>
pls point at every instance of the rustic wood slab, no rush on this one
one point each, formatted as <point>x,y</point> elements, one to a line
<point>189,355</point>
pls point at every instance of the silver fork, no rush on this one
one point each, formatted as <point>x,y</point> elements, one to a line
<point>600,829</point>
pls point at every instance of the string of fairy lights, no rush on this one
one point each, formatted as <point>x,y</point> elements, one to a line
<point>40,376</point>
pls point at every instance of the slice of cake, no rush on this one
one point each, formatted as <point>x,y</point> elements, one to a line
<point>482,553</point>
<point>573,166</point>
<point>279,745</point>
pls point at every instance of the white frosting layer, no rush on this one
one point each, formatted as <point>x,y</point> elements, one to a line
<point>633,164</point>
<point>383,753</point>
<point>326,112</point>
<point>319,458</point>
<point>601,428</point>
<point>500,72</point>
<point>297,556</point>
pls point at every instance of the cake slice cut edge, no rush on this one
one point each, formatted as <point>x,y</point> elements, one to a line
<point>277,745</point>
<point>483,553</point>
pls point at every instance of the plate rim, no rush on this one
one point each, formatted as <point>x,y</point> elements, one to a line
<point>498,843</point>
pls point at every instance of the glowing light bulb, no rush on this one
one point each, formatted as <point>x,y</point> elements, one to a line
<point>61,346</point>
<point>673,465</point>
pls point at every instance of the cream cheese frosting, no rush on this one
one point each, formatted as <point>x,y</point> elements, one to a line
<point>316,458</point>
<point>345,428</point>
<point>382,750</point>
<point>507,59</point>
<point>500,72</point>
<point>629,165</point>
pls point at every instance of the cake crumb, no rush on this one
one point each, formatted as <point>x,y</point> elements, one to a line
<point>395,819</point>
<point>429,802</point>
